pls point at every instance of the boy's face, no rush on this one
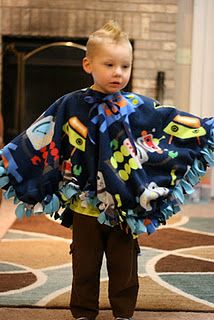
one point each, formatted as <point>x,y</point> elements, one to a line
<point>110,66</point>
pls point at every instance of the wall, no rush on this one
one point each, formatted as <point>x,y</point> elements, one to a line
<point>202,74</point>
<point>183,54</point>
<point>150,23</point>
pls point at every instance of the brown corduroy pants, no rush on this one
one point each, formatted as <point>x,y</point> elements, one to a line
<point>90,241</point>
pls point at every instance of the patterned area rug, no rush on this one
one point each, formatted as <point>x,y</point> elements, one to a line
<point>176,266</point>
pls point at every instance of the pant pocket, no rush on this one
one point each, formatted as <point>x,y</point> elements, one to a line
<point>71,248</point>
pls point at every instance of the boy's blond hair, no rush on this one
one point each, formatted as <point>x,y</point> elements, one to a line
<point>111,31</point>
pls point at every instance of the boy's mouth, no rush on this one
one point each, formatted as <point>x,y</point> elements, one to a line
<point>116,83</point>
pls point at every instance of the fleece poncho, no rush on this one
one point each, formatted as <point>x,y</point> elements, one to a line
<point>125,154</point>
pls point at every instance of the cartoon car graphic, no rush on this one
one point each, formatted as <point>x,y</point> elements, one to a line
<point>185,127</point>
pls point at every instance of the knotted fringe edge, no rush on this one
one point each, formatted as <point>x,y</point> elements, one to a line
<point>170,206</point>
<point>50,205</point>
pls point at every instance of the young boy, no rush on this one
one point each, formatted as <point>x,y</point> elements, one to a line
<point>108,60</point>
<point>118,162</point>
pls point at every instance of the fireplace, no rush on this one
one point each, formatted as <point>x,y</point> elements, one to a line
<point>35,73</point>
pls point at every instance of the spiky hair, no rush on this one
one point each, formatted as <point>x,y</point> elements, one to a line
<point>111,31</point>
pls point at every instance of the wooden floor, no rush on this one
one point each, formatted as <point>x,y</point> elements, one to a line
<point>50,314</point>
<point>7,213</point>
<point>7,217</point>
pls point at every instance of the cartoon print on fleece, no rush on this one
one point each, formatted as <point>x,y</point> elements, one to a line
<point>123,153</point>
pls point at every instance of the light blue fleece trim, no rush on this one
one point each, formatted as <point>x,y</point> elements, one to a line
<point>169,207</point>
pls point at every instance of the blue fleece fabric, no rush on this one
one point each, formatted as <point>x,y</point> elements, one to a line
<point>124,153</point>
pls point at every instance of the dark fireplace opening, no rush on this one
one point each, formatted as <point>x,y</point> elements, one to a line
<point>37,71</point>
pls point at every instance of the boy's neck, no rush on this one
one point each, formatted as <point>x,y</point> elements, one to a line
<point>93,87</point>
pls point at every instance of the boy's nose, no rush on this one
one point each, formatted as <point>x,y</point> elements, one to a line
<point>118,71</point>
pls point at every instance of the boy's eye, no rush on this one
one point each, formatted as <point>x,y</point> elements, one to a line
<point>126,66</point>
<point>109,64</point>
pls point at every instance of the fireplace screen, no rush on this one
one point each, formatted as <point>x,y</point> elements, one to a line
<point>35,74</point>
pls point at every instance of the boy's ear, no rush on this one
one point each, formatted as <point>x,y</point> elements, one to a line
<point>86,65</point>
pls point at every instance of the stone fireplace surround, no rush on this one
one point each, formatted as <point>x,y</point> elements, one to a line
<point>151,24</point>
